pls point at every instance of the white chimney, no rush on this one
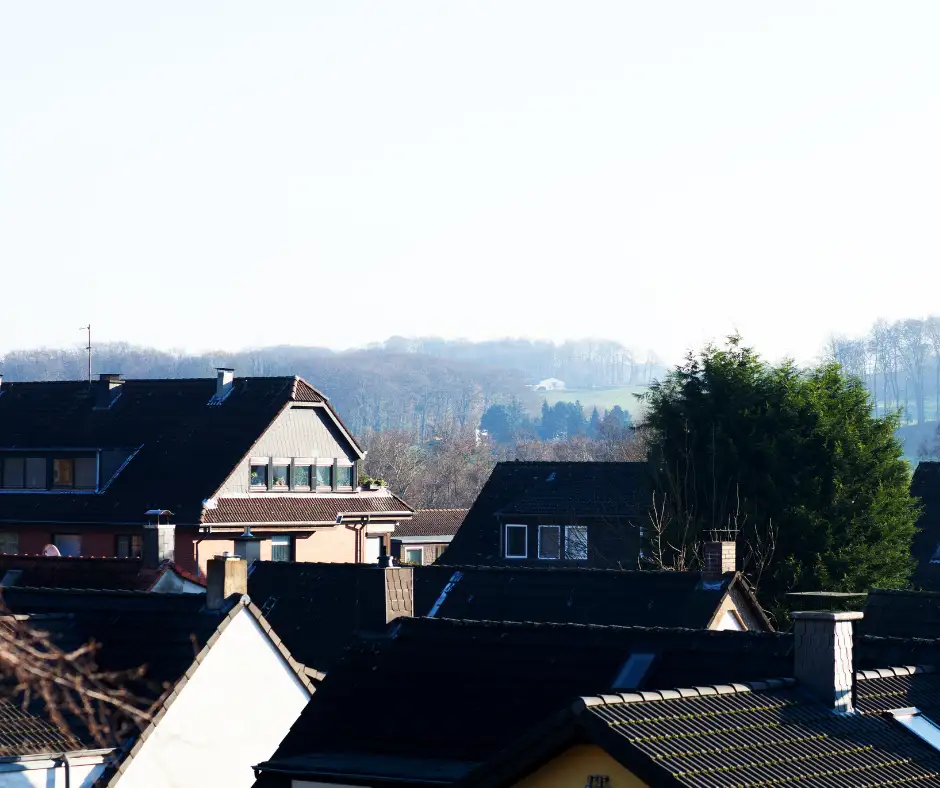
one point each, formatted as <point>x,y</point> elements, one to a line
<point>225,575</point>
<point>823,656</point>
<point>224,381</point>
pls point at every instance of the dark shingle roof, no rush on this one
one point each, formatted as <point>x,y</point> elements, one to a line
<point>926,486</point>
<point>759,733</point>
<point>162,631</point>
<point>903,614</point>
<point>319,509</point>
<point>432,522</point>
<point>486,681</point>
<point>170,424</point>
<point>107,574</point>
<point>544,489</point>
<point>317,608</point>
<point>573,595</point>
<point>22,733</point>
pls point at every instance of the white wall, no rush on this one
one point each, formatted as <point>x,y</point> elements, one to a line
<point>230,715</point>
<point>47,774</point>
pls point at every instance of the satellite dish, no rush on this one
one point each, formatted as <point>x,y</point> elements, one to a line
<point>51,550</point>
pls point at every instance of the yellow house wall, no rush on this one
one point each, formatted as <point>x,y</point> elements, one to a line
<point>572,768</point>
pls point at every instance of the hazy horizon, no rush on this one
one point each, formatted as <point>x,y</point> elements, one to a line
<point>229,175</point>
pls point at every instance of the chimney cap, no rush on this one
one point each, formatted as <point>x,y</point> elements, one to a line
<point>827,615</point>
<point>110,377</point>
<point>225,369</point>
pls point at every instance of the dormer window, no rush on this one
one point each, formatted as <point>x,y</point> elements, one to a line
<point>79,473</point>
<point>344,476</point>
<point>324,477</point>
<point>36,473</point>
<point>280,477</point>
<point>302,476</point>
<point>13,473</point>
<point>63,473</point>
<point>259,475</point>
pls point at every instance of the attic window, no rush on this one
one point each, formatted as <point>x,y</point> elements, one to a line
<point>13,473</point>
<point>280,477</point>
<point>259,476</point>
<point>576,543</point>
<point>633,671</point>
<point>344,476</point>
<point>920,725</point>
<point>516,538</point>
<point>550,542</point>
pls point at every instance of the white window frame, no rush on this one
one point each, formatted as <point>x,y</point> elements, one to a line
<point>409,549</point>
<point>561,543</point>
<point>587,543</point>
<point>281,543</point>
<point>525,530</point>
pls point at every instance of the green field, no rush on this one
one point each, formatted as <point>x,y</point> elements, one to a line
<point>601,398</point>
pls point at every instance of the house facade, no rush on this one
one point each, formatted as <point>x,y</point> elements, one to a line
<point>98,468</point>
<point>424,538</point>
<point>557,513</point>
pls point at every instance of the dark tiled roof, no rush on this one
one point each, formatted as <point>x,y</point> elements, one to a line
<point>168,421</point>
<point>546,489</point>
<point>108,574</point>
<point>758,733</point>
<point>432,522</point>
<point>903,614</point>
<point>21,734</point>
<point>877,691</point>
<point>311,509</point>
<point>572,595</point>
<point>926,486</point>
<point>317,608</point>
<point>482,683</point>
<point>134,628</point>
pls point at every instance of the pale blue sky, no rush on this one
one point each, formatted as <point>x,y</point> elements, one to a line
<point>229,174</point>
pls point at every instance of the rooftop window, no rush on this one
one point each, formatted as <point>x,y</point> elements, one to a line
<point>280,477</point>
<point>13,470</point>
<point>550,542</point>
<point>259,477</point>
<point>36,473</point>
<point>921,726</point>
<point>576,542</point>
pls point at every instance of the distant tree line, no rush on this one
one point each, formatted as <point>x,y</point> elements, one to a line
<point>511,424</point>
<point>581,364</point>
<point>899,363</point>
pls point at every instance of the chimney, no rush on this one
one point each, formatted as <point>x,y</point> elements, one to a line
<point>399,592</point>
<point>159,542</point>
<point>823,656</point>
<point>224,380</point>
<point>385,560</point>
<point>720,559</point>
<point>108,390</point>
<point>227,574</point>
<point>248,546</point>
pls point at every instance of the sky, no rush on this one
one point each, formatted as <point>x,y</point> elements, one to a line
<point>222,175</point>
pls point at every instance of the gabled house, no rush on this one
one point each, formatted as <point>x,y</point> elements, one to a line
<point>424,538</point>
<point>721,599</point>
<point>577,513</point>
<point>467,688</point>
<point>204,655</point>
<point>823,724</point>
<point>192,465</point>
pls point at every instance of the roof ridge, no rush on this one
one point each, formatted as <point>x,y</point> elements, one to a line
<point>619,698</point>
<point>887,673</point>
<point>903,592</point>
<point>584,569</point>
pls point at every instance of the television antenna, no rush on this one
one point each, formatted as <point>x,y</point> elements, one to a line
<point>88,348</point>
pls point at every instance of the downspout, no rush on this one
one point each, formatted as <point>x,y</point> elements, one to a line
<point>68,770</point>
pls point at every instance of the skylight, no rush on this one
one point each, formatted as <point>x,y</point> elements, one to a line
<point>633,671</point>
<point>920,725</point>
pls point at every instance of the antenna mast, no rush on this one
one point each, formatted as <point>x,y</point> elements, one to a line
<point>88,348</point>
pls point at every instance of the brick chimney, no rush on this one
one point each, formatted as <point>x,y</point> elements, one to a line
<point>226,575</point>
<point>720,559</point>
<point>159,542</point>
<point>108,390</point>
<point>823,656</point>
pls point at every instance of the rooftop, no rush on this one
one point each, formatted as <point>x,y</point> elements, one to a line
<point>432,522</point>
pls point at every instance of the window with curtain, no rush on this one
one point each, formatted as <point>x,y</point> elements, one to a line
<point>280,548</point>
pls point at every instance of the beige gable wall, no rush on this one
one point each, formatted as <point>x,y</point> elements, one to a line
<point>297,432</point>
<point>736,603</point>
<point>572,768</point>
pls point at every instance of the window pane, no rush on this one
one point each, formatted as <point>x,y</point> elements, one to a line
<point>280,548</point>
<point>63,473</point>
<point>259,476</point>
<point>344,476</point>
<point>13,472</point>
<point>279,476</point>
<point>36,473</point>
<point>9,542</point>
<point>414,556</point>
<point>576,542</point>
<point>123,547</point>
<point>515,541</point>
<point>549,541</point>
<point>86,473</point>
<point>301,476</point>
<point>324,476</point>
<point>68,544</point>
